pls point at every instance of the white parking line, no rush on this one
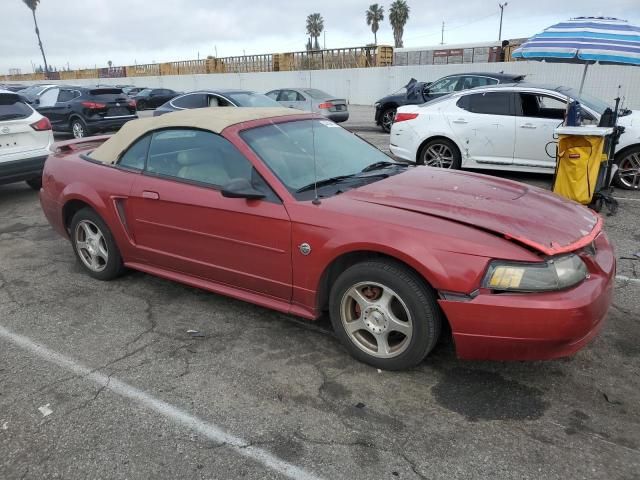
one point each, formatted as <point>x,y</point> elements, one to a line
<point>622,278</point>
<point>209,430</point>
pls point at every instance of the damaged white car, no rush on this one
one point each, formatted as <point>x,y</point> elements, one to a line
<point>505,127</point>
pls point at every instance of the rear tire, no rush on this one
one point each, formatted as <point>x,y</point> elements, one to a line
<point>440,152</point>
<point>94,245</point>
<point>79,128</point>
<point>628,174</point>
<point>35,183</point>
<point>385,314</point>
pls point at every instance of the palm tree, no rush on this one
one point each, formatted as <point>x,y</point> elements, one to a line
<point>375,15</point>
<point>315,25</point>
<point>398,16</point>
<point>33,4</point>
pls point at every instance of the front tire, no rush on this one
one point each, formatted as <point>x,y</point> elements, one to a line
<point>79,128</point>
<point>440,152</point>
<point>628,174</point>
<point>387,118</point>
<point>385,314</point>
<point>94,245</point>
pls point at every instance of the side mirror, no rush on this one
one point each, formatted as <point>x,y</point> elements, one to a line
<point>241,188</point>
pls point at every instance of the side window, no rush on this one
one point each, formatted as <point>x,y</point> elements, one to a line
<point>194,100</point>
<point>66,95</point>
<point>300,97</point>
<point>473,81</point>
<point>542,106</point>
<point>288,96</point>
<point>135,156</point>
<point>49,98</point>
<point>446,85</point>
<point>216,101</point>
<point>273,94</point>
<point>196,156</point>
<point>490,103</point>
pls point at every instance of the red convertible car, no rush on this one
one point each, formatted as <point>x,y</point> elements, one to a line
<point>290,211</point>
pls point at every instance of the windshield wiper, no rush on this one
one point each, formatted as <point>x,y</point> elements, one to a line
<point>322,183</point>
<point>379,165</point>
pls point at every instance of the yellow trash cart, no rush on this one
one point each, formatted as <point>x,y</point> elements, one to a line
<point>581,154</point>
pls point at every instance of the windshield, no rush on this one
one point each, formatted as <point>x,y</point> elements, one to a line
<point>145,92</point>
<point>315,93</point>
<point>250,99</point>
<point>32,91</point>
<point>288,150</point>
<point>590,101</point>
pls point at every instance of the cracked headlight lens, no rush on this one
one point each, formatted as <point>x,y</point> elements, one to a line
<point>556,273</point>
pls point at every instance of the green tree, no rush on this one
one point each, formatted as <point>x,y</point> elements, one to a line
<point>375,15</point>
<point>33,4</point>
<point>315,25</point>
<point>398,16</point>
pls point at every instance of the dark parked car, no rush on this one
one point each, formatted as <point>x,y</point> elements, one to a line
<point>416,93</point>
<point>154,97</point>
<point>132,91</point>
<point>216,98</point>
<point>83,111</point>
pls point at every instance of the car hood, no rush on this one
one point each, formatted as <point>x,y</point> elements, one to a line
<point>530,216</point>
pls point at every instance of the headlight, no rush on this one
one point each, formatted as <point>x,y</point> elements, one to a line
<point>554,274</point>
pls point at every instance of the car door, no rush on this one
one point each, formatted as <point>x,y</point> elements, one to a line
<point>156,98</point>
<point>59,113</point>
<point>46,104</point>
<point>538,115</point>
<point>293,99</point>
<point>484,125</point>
<point>181,221</point>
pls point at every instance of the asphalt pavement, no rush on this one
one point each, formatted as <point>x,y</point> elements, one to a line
<point>142,378</point>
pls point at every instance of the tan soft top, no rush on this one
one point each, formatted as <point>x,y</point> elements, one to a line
<point>214,119</point>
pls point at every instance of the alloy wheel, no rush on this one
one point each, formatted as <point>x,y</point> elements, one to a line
<point>387,119</point>
<point>91,246</point>
<point>78,130</point>
<point>376,319</point>
<point>629,170</point>
<point>438,155</point>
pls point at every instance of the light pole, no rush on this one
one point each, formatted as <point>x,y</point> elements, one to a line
<point>501,5</point>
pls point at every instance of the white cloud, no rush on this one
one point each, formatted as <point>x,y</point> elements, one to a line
<point>91,32</point>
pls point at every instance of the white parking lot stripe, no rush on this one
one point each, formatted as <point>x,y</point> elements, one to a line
<point>622,278</point>
<point>145,400</point>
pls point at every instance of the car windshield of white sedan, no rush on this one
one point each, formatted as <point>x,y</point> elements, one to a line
<point>245,99</point>
<point>295,150</point>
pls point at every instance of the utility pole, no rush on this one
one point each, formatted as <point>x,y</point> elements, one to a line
<point>324,47</point>
<point>442,40</point>
<point>501,5</point>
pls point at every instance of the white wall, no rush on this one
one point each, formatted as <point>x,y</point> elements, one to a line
<point>363,86</point>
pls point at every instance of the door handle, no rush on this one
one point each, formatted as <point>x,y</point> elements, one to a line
<point>461,121</point>
<point>529,126</point>
<point>150,195</point>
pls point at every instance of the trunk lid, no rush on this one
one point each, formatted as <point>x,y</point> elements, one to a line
<point>116,103</point>
<point>533,217</point>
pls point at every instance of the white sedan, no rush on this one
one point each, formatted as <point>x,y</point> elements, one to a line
<point>25,140</point>
<point>508,127</point>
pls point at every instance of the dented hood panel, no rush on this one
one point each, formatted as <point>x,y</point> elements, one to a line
<point>529,215</point>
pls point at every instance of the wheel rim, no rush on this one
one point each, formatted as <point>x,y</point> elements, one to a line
<point>438,155</point>
<point>387,119</point>
<point>629,170</point>
<point>91,246</point>
<point>78,130</point>
<point>376,319</point>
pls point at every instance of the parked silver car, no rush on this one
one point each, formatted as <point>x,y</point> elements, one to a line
<point>312,100</point>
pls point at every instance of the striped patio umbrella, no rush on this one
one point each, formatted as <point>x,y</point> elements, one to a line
<point>585,40</point>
